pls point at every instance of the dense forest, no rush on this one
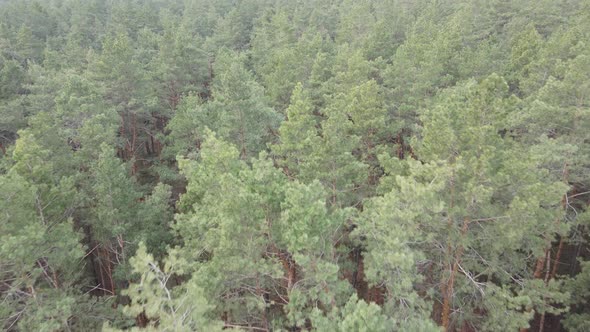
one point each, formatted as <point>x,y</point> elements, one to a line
<point>295,165</point>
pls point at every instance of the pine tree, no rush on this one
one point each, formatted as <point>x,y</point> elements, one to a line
<point>12,115</point>
<point>377,165</point>
<point>111,217</point>
<point>186,129</point>
<point>40,253</point>
<point>577,320</point>
<point>356,22</point>
<point>475,183</point>
<point>122,84</point>
<point>181,65</point>
<point>355,315</point>
<point>159,307</point>
<point>298,134</point>
<point>272,237</point>
<point>242,116</point>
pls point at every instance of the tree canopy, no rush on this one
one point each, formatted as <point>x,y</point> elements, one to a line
<point>275,165</point>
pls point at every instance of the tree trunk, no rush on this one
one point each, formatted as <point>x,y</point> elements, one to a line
<point>547,275</point>
<point>450,283</point>
<point>543,263</point>
<point>123,134</point>
<point>133,142</point>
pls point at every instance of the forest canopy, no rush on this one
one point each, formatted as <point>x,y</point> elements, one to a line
<point>294,165</point>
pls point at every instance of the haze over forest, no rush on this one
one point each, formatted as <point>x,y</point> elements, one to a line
<point>295,165</point>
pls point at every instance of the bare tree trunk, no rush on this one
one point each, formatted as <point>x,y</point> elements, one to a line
<point>547,275</point>
<point>123,134</point>
<point>450,284</point>
<point>133,143</point>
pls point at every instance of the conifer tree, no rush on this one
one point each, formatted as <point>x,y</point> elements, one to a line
<point>298,133</point>
<point>379,165</point>
<point>274,238</point>
<point>479,185</point>
<point>241,115</point>
<point>40,252</point>
<point>161,307</point>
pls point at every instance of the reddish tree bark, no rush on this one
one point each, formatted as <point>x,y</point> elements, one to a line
<point>449,286</point>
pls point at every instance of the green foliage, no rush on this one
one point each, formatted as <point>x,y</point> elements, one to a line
<point>114,197</point>
<point>578,287</point>
<point>259,236</point>
<point>187,127</point>
<point>298,134</point>
<point>180,308</point>
<point>294,165</point>
<point>355,315</point>
<point>39,256</point>
<point>241,115</point>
